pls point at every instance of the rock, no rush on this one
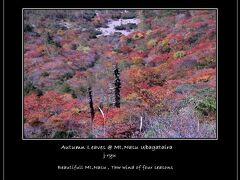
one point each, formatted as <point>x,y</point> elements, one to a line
<point>105,26</point>
<point>101,25</point>
<point>128,15</point>
<point>94,33</point>
<point>121,27</point>
<point>117,34</point>
<point>116,16</point>
<point>132,25</point>
<point>127,26</point>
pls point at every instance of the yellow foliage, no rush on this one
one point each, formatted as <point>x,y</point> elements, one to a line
<point>54,119</point>
<point>69,62</point>
<point>34,118</point>
<point>67,97</point>
<point>151,43</point>
<point>162,67</point>
<point>84,49</point>
<point>66,46</point>
<point>119,118</point>
<point>40,48</point>
<point>138,35</point>
<point>203,78</point>
<point>75,110</point>
<point>132,97</point>
<point>137,60</point>
<point>60,32</point>
<point>164,42</point>
<point>148,32</point>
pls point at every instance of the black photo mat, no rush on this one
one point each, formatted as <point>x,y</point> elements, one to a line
<point>184,158</point>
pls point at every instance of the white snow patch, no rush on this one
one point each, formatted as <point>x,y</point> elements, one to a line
<point>113,23</point>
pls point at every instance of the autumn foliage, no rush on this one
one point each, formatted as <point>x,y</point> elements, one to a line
<point>166,68</point>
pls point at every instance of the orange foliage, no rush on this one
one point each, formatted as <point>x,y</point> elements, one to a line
<point>203,75</point>
<point>51,106</point>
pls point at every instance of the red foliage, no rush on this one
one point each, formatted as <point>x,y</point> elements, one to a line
<point>160,58</point>
<point>137,54</point>
<point>50,106</point>
<point>203,45</point>
<point>203,75</point>
<point>154,64</point>
<point>32,54</point>
<point>126,49</point>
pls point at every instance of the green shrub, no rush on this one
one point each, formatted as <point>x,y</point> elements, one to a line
<point>159,108</point>
<point>124,63</point>
<point>63,134</point>
<point>82,48</point>
<point>28,28</point>
<point>66,88</point>
<point>207,62</point>
<point>91,136</point>
<point>129,41</point>
<point>205,101</point>
<point>81,90</point>
<point>118,50</point>
<point>151,133</point>
<point>66,76</point>
<point>63,87</point>
<point>193,39</point>
<point>179,54</point>
<point>206,105</point>
<point>30,87</point>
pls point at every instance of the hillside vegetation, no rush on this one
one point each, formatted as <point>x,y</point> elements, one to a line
<point>151,76</point>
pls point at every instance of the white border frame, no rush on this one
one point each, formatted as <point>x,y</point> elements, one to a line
<point>102,139</point>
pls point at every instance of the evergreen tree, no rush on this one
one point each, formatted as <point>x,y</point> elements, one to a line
<point>117,86</point>
<point>90,100</point>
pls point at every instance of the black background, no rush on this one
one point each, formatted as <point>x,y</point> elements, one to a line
<point>207,159</point>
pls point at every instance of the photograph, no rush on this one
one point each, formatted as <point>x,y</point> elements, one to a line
<point>120,89</point>
<point>119,74</point>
